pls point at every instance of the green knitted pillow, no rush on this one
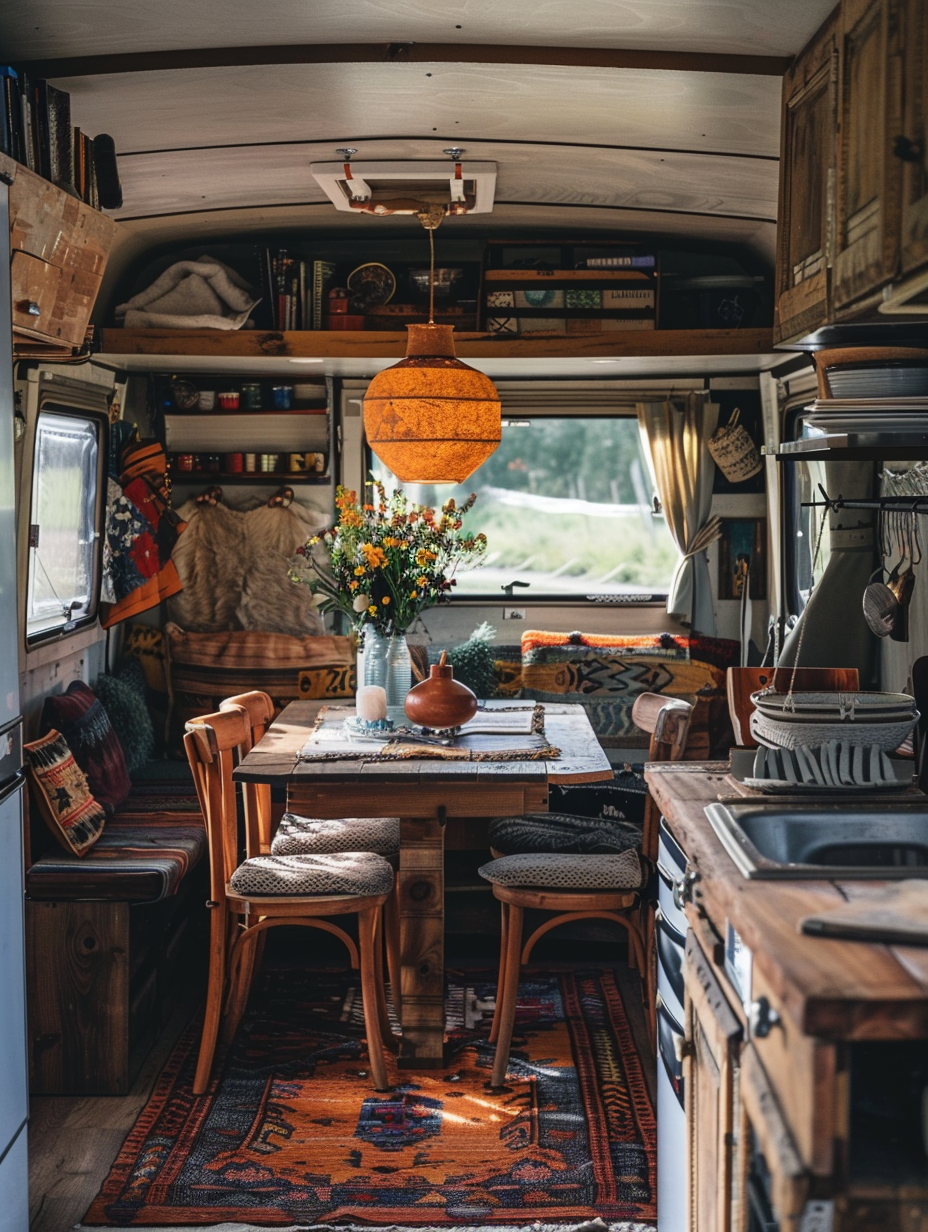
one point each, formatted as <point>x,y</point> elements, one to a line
<point>124,701</point>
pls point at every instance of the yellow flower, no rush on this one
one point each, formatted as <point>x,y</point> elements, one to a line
<point>376,557</point>
<point>353,585</point>
<point>360,571</point>
<point>412,594</point>
<point>385,600</point>
<point>423,556</point>
<point>422,581</point>
<point>372,610</point>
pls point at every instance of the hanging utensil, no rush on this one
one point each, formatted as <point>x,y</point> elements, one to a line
<point>904,584</point>
<point>880,605</point>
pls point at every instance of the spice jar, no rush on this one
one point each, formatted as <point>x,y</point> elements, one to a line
<point>183,461</point>
<point>213,463</point>
<point>251,462</point>
<point>283,397</point>
<point>229,400</point>
<point>251,397</point>
<point>269,462</point>
<point>234,463</point>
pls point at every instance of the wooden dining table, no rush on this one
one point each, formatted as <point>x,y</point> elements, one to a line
<point>424,792</point>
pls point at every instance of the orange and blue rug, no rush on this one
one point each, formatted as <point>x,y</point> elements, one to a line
<point>291,1132</point>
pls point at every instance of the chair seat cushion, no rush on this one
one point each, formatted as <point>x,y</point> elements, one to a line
<point>340,872</point>
<point>312,835</point>
<point>566,872</point>
<point>562,832</point>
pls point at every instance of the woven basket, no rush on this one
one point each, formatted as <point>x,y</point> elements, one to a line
<point>734,452</point>
<point>886,736</point>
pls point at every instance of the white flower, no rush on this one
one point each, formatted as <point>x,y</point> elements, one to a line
<point>361,603</point>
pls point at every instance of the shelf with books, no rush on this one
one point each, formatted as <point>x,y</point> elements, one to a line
<point>200,478</point>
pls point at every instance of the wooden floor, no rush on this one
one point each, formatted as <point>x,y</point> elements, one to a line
<point>74,1140</point>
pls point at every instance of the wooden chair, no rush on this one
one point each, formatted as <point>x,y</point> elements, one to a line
<point>264,891</point>
<point>592,886</point>
<point>743,681</point>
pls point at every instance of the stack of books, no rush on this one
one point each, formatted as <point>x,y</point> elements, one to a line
<point>546,303</point>
<point>294,289</point>
<point>36,131</point>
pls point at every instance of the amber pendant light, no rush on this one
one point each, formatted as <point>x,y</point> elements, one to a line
<point>431,418</point>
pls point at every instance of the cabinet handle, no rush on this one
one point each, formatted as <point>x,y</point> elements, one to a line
<point>908,150</point>
<point>29,307</point>
<point>763,1018</point>
<point>683,888</point>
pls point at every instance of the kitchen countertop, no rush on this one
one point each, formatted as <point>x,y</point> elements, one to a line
<point>835,990</point>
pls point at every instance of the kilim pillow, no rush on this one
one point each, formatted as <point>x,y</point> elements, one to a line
<point>80,717</point>
<point>62,794</point>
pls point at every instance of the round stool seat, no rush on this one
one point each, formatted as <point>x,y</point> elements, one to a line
<point>314,835</point>
<point>563,832</point>
<point>557,871</point>
<point>343,872</point>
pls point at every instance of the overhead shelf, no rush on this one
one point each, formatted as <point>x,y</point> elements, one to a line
<point>382,344</point>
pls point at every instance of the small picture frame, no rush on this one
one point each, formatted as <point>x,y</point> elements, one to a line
<point>743,554</point>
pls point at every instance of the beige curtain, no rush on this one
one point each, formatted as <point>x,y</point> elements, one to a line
<point>674,434</point>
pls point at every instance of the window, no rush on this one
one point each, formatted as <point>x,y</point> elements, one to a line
<point>566,506</point>
<point>64,532</point>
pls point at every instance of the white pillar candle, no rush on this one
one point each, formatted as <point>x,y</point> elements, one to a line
<point>371,703</point>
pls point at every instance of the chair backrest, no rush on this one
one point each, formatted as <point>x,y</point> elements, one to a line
<point>667,720</point>
<point>259,710</point>
<point>743,681</point>
<point>212,743</point>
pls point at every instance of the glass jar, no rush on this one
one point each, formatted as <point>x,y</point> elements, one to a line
<point>386,662</point>
<point>251,397</point>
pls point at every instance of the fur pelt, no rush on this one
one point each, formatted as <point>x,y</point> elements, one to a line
<point>269,600</point>
<point>210,559</point>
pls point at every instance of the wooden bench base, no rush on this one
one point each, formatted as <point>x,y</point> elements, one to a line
<point>102,979</point>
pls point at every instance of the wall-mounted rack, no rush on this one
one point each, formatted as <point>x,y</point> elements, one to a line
<point>902,504</point>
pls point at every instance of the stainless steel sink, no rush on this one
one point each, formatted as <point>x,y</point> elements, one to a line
<point>823,840</point>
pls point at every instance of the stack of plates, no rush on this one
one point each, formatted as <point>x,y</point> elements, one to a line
<point>788,721</point>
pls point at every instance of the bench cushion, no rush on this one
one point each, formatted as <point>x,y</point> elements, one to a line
<point>143,855</point>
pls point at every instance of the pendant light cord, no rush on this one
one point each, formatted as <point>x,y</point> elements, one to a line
<point>430,219</point>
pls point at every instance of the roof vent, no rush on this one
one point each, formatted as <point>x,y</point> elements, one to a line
<point>384,188</point>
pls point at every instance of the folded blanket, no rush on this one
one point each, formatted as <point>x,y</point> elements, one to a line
<point>203,294</point>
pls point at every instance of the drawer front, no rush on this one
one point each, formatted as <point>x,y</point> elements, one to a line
<point>54,303</point>
<point>35,286</point>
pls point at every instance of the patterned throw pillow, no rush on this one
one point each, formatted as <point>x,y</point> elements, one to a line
<point>124,703</point>
<point>85,725</point>
<point>62,794</point>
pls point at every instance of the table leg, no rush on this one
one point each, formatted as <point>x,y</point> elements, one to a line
<point>422,941</point>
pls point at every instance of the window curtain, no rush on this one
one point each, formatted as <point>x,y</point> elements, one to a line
<point>674,435</point>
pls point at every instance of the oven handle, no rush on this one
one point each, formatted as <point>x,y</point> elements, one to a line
<point>678,938</point>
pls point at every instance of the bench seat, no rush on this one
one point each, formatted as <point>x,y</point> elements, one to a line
<point>115,937</point>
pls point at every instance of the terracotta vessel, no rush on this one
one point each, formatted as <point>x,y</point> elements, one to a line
<point>441,701</point>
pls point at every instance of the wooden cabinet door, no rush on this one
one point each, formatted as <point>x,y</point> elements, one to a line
<point>910,144</point>
<point>868,174</point>
<point>807,171</point>
<point>713,1037</point>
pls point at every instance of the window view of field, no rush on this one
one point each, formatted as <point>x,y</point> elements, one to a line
<point>566,507</point>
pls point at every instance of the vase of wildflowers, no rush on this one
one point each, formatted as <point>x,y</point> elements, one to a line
<point>384,562</point>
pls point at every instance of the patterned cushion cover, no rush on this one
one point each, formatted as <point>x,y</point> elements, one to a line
<point>205,668</point>
<point>566,872</point>
<point>559,832</point>
<point>343,872</point>
<point>623,799</point>
<point>123,699</point>
<point>62,794</point>
<point>85,725</point>
<point>608,673</point>
<point>312,835</point>
<point>147,645</point>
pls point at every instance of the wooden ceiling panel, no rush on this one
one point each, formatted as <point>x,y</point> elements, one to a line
<point>716,112</point>
<point>220,179</point>
<point>89,27</point>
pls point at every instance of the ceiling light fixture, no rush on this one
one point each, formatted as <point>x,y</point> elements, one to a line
<point>431,418</point>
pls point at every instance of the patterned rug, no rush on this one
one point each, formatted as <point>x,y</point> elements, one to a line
<point>291,1131</point>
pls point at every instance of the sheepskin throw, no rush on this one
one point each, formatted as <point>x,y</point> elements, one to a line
<point>203,294</point>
